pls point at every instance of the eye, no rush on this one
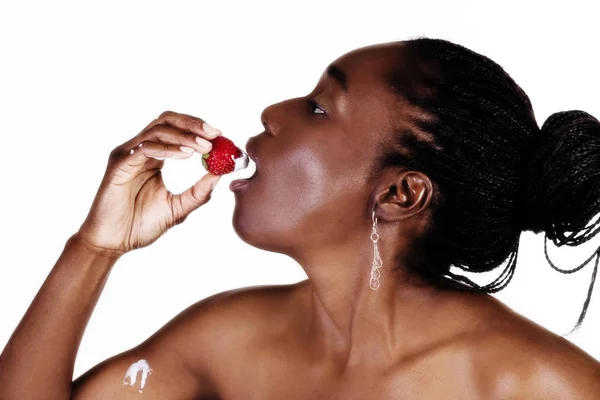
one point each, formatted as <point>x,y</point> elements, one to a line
<point>315,106</point>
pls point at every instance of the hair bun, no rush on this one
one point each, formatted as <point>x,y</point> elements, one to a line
<point>562,193</point>
<point>564,122</point>
<point>562,182</point>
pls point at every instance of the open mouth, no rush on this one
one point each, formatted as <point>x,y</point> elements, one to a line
<point>254,173</point>
<point>248,169</point>
<point>240,183</point>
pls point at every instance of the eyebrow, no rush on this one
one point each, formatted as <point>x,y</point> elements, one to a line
<point>338,75</point>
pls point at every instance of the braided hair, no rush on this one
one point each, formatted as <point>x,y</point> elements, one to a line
<point>495,173</point>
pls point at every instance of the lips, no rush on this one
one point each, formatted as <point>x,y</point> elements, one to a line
<point>241,183</point>
<point>252,156</point>
<point>250,151</point>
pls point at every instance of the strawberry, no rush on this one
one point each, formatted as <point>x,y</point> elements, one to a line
<point>225,157</point>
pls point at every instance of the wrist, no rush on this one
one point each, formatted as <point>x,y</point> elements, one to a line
<point>80,242</point>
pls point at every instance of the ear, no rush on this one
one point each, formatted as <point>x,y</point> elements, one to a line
<point>401,194</point>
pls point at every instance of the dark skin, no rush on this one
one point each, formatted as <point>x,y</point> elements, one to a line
<point>328,337</point>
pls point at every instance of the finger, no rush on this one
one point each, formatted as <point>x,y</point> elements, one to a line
<point>144,156</point>
<point>195,196</point>
<point>167,134</point>
<point>159,151</point>
<point>186,123</point>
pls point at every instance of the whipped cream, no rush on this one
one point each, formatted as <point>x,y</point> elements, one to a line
<point>241,162</point>
<point>131,374</point>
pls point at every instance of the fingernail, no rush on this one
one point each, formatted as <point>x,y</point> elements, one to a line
<point>186,149</point>
<point>212,186</point>
<point>205,144</point>
<point>209,129</point>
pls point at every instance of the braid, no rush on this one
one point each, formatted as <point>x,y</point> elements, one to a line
<point>563,182</point>
<point>495,172</point>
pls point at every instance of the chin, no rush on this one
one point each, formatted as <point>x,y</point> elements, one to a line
<point>249,227</point>
<point>256,228</point>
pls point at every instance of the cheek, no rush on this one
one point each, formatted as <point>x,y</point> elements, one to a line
<point>300,186</point>
<point>301,189</point>
<point>316,183</point>
<point>276,209</point>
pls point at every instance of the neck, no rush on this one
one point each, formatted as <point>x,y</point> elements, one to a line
<point>353,324</point>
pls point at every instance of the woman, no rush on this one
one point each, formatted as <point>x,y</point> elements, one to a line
<point>406,158</point>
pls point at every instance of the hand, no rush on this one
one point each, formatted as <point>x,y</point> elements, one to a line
<point>132,207</point>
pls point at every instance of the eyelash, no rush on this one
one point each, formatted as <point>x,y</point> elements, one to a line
<point>313,104</point>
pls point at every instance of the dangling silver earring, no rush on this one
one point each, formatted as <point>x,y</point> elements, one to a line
<point>377,263</point>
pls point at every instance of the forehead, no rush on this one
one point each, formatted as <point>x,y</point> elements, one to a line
<point>370,100</point>
<point>368,65</point>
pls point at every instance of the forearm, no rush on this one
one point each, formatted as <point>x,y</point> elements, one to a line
<point>38,360</point>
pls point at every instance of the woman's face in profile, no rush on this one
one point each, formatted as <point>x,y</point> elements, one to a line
<point>313,159</point>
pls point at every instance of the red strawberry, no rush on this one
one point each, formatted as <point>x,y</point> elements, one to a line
<point>225,157</point>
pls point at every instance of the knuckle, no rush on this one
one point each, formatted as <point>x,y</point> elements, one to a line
<point>198,121</point>
<point>143,146</point>
<point>167,114</point>
<point>160,130</point>
<point>201,195</point>
<point>156,132</point>
<point>177,209</point>
<point>190,121</point>
<point>156,128</point>
<point>115,153</point>
<point>180,220</point>
<point>189,136</point>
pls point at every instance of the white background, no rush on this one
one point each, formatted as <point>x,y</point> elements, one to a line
<point>76,80</point>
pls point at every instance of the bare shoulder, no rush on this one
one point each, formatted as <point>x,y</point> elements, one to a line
<point>208,340</point>
<point>224,336</point>
<point>518,358</point>
<point>232,314</point>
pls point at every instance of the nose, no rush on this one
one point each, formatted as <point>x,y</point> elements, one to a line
<point>268,120</point>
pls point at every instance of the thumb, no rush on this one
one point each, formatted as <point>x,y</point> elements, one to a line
<point>195,196</point>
